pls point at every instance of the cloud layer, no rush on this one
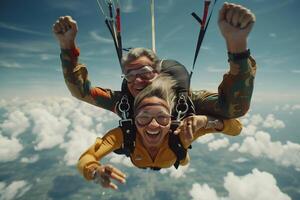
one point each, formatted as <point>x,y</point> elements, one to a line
<point>257,185</point>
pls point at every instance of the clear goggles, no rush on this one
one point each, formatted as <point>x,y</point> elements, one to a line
<point>145,73</point>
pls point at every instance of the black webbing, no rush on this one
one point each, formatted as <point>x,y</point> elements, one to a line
<point>200,36</point>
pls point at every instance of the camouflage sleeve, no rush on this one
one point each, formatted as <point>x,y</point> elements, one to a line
<point>76,79</point>
<point>234,93</point>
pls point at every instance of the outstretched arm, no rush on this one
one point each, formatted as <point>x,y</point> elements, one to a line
<point>76,74</point>
<point>235,92</point>
<point>89,166</point>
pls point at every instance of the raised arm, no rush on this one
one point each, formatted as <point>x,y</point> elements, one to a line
<point>235,92</point>
<point>76,74</point>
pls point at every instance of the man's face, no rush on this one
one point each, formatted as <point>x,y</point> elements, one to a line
<point>139,83</point>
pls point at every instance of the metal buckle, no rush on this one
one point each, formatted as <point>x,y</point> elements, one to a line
<point>181,102</point>
<point>124,103</point>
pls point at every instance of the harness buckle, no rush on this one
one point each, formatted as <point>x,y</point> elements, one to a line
<point>124,107</point>
<point>182,107</point>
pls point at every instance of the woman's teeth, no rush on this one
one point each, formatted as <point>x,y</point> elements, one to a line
<point>152,132</point>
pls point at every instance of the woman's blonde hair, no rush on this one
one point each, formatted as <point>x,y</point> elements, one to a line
<point>162,87</point>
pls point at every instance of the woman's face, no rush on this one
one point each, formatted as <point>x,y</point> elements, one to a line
<point>153,121</point>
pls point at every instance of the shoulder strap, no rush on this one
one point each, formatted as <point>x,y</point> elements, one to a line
<point>176,145</point>
<point>183,108</point>
<point>127,125</point>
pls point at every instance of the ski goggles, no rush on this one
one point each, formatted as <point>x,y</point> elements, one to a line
<point>145,119</point>
<point>145,73</point>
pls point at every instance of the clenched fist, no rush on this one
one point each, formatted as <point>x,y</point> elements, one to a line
<point>235,23</point>
<point>65,30</point>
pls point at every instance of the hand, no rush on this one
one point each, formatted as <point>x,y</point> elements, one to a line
<point>65,30</point>
<point>235,23</point>
<point>190,125</point>
<point>108,172</point>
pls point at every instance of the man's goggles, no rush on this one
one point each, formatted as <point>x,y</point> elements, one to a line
<point>145,73</point>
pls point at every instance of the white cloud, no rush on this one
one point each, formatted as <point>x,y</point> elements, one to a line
<point>271,122</point>
<point>203,192</point>
<point>256,119</point>
<point>9,149</point>
<point>31,159</point>
<point>29,46</point>
<point>127,6</point>
<point>296,71</point>
<point>177,173</point>
<point>18,28</point>
<point>296,107</point>
<point>261,146</point>
<point>45,57</point>
<point>116,158</point>
<point>79,119</point>
<point>234,147</point>
<point>205,138</point>
<point>99,38</point>
<point>254,186</point>
<point>244,120</point>
<point>15,124</point>
<point>8,64</point>
<point>240,160</point>
<point>287,107</point>
<point>49,129</point>
<point>249,130</point>
<point>54,120</point>
<point>14,190</point>
<point>79,140</point>
<point>3,103</point>
<point>214,69</point>
<point>217,144</point>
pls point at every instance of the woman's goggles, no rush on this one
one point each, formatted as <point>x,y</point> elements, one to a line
<point>145,119</point>
<point>145,73</point>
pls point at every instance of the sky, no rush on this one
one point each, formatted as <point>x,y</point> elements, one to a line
<point>29,53</point>
<point>43,129</point>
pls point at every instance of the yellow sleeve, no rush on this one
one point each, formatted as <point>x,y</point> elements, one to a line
<point>232,127</point>
<point>89,160</point>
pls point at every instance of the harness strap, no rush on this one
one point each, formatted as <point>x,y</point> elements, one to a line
<point>184,108</point>
<point>127,126</point>
<point>118,26</point>
<point>129,134</point>
<point>114,28</point>
<point>202,32</point>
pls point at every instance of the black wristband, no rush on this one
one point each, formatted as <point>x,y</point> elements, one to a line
<point>238,56</point>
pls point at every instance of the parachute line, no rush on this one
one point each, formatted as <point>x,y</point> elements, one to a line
<point>153,25</point>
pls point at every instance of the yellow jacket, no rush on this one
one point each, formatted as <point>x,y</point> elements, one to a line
<point>140,157</point>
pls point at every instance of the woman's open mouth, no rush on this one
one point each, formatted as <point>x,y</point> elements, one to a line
<point>152,136</point>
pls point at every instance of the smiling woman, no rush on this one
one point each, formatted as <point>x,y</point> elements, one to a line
<point>152,111</point>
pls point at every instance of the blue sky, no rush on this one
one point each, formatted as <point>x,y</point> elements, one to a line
<point>29,53</point>
<point>42,138</point>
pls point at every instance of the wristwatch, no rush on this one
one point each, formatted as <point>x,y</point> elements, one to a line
<point>213,123</point>
<point>238,56</point>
